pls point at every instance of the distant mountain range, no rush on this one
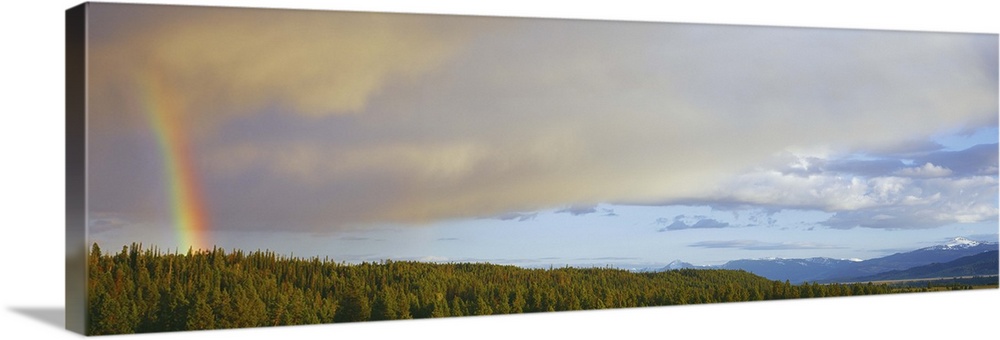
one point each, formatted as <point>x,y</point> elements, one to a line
<point>979,264</point>
<point>940,260</point>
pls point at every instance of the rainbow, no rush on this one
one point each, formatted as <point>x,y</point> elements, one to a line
<point>164,114</point>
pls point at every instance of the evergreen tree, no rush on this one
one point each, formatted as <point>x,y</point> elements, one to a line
<point>353,306</point>
<point>200,315</point>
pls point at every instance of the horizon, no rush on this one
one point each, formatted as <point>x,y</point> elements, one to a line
<point>653,267</point>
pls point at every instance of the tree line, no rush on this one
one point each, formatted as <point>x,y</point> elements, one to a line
<point>146,290</point>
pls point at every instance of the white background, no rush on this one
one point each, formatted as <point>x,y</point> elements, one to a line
<point>32,190</point>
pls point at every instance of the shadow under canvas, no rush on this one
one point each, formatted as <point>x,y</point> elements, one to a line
<point>53,316</point>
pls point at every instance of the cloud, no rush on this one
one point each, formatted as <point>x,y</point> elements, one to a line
<point>709,223</point>
<point>881,202</point>
<point>926,204</point>
<point>762,217</point>
<point>867,168</point>
<point>448,239</point>
<point>578,210</point>
<point>759,245</point>
<point>104,222</point>
<point>907,149</point>
<point>305,121</point>
<point>976,160</point>
<point>874,193</point>
<point>221,62</point>
<point>930,160</point>
<point>701,222</point>
<point>520,217</point>
<point>676,225</point>
<point>927,170</point>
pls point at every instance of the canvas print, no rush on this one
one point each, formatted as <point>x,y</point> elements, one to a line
<point>239,167</point>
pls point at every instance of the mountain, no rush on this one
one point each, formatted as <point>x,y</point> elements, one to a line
<point>823,269</point>
<point>674,265</point>
<point>982,264</point>
<point>959,243</point>
<point>678,264</point>
<point>793,270</point>
<point>954,249</point>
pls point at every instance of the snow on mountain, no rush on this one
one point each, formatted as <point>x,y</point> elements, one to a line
<point>961,242</point>
<point>824,268</point>
<point>831,269</point>
<point>950,251</point>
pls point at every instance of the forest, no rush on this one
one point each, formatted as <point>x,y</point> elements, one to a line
<point>147,290</point>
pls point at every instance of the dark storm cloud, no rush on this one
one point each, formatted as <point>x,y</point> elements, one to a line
<point>311,121</point>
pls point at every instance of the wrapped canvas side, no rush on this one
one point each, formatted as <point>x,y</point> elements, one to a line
<point>76,271</point>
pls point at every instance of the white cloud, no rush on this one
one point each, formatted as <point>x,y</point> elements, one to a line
<point>826,192</point>
<point>923,199</point>
<point>927,170</point>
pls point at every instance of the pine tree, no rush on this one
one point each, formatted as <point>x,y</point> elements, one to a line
<point>439,307</point>
<point>200,315</point>
<point>353,306</point>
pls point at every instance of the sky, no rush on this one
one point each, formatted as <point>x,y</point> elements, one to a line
<point>362,137</point>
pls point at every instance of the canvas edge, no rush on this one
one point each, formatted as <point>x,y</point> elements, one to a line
<point>75,134</point>
<point>76,78</point>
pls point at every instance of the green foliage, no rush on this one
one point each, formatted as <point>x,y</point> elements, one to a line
<point>144,290</point>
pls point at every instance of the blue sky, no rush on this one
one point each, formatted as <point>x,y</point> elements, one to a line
<point>361,137</point>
